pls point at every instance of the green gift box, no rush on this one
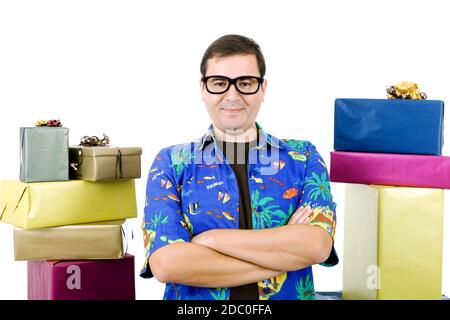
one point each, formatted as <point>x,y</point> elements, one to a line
<point>44,154</point>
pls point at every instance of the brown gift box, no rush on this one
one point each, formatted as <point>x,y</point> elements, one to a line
<point>104,163</point>
<point>90,241</point>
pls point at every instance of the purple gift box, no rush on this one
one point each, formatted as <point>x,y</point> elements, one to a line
<point>82,279</point>
<point>424,171</point>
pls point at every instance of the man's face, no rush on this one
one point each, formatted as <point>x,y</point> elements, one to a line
<point>232,109</point>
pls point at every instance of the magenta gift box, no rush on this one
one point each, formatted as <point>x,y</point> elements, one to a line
<point>82,279</point>
<point>425,171</point>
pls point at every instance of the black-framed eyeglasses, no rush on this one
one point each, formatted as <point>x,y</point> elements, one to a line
<point>243,84</point>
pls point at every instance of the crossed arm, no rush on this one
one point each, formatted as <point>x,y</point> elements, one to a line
<point>233,257</point>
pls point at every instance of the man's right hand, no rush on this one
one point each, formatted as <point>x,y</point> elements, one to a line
<point>301,216</point>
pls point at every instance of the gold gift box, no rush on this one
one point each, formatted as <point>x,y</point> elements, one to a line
<point>52,204</point>
<point>93,241</point>
<point>393,242</point>
<point>104,163</point>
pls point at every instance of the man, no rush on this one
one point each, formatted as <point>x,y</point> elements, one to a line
<point>237,214</point>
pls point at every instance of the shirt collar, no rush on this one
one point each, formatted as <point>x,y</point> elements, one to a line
<point>264,138</point>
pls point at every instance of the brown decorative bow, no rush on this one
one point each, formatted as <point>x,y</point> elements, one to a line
<point>405,90</point>
<point>94,141</point>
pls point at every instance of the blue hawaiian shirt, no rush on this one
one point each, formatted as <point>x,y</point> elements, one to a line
<point>192,188</point>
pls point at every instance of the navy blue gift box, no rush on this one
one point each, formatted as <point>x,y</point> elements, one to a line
<point>389,126</point>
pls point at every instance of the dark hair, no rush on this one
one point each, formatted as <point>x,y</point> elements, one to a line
<point>233,44</point>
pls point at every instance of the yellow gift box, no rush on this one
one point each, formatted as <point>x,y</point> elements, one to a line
<point>52,204</point>
<point>392,242</point>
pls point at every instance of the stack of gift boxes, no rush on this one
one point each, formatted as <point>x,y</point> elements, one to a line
<point>69,223</point>
<point>388,152</point>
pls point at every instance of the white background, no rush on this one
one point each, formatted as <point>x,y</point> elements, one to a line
<point>131,69</point>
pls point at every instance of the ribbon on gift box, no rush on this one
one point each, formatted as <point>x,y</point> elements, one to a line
<point>48,123</point>
<point>94,141</point>
<point>127,235</point>
<point>405,90</point>
<point>119,164</point>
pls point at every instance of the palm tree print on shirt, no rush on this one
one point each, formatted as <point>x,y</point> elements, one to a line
<point>262,214</point>
<point>320,186</point>
<point>157,219</point>
<point>180,159</point>
<point>219,294</point>
<point>305,289</point>
<point>296,144</point>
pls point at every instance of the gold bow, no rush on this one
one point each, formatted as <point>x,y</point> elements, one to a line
<point>48,123</point>
<point>405,90</point>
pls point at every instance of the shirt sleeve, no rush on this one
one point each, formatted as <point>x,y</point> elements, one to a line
<point>316,193</point>
<point>163,221</point>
